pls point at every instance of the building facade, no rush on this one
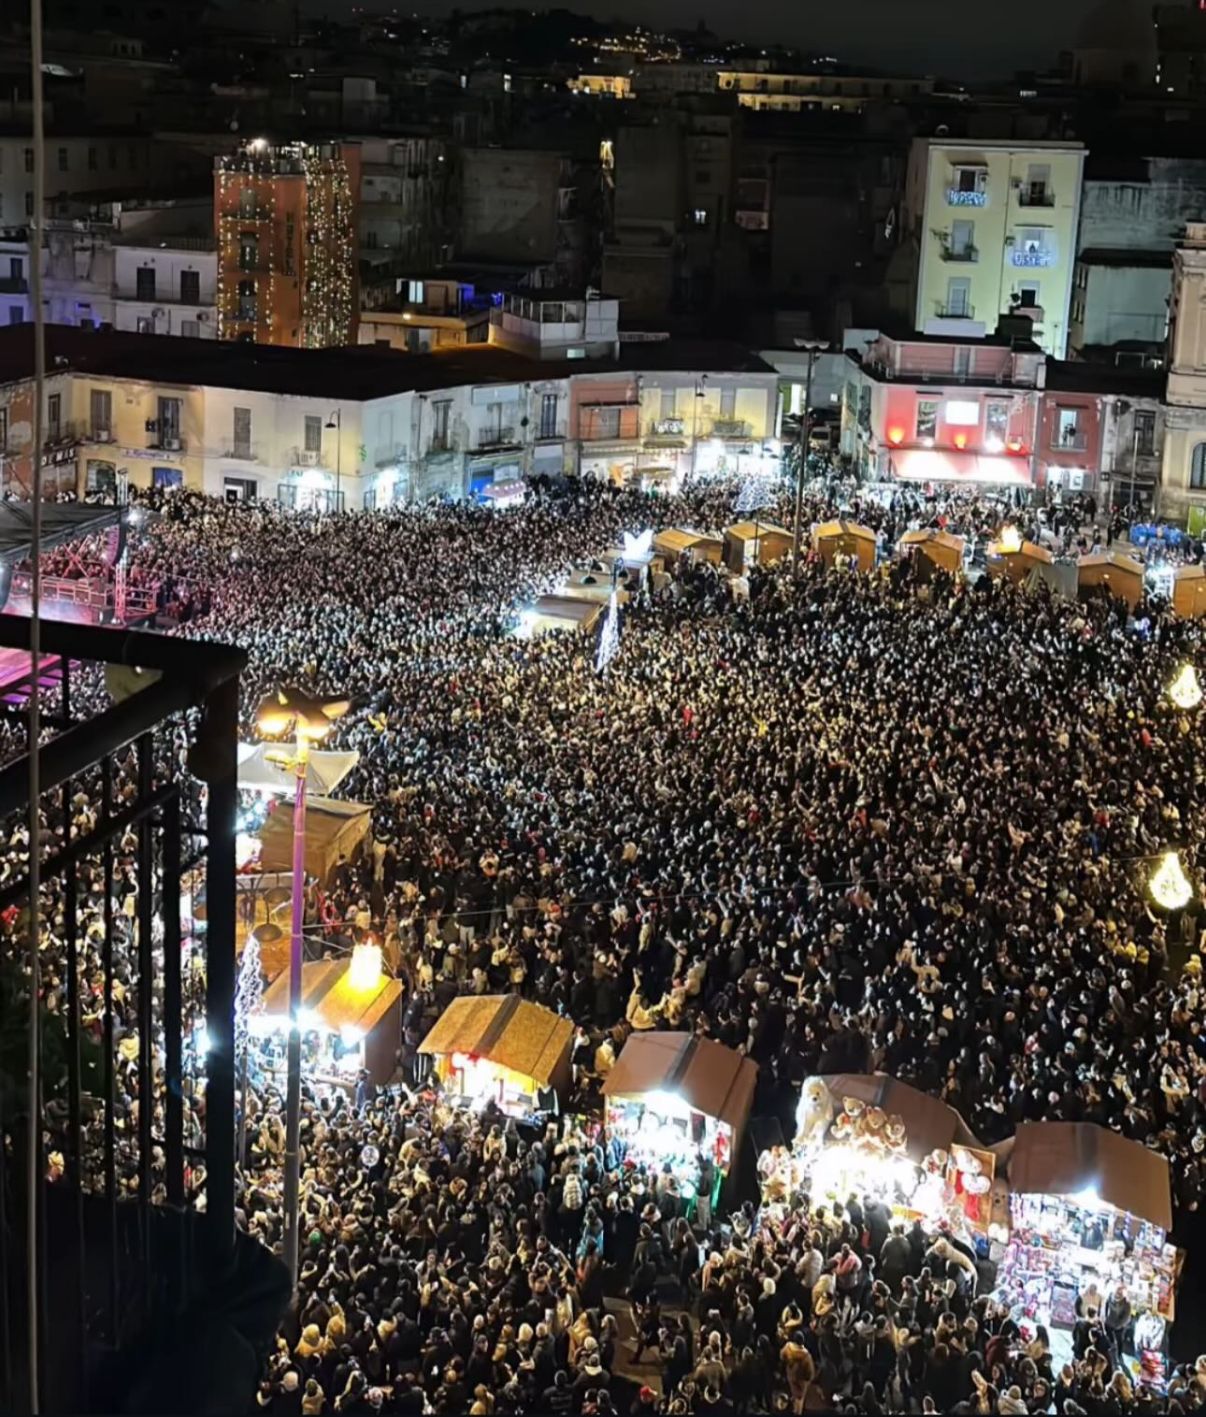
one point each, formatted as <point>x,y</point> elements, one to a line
<point>1183,479</point>
<point>992,227</point>
<point>285,224</point>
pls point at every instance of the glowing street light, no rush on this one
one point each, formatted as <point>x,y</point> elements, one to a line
<point>364,972</point>
<point>1185,690</point>
<point>1170,886</point>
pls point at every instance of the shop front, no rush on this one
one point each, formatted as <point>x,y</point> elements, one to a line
<point>673,1097</point>
<point>1089,1215</point>
<point>499,1048</point>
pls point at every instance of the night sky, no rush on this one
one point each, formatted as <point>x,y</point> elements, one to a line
<point>951,37</point>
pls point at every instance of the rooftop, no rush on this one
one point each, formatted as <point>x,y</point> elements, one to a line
<point>357,373</point>
<point>1087,377</point>
<point>1123,256</point>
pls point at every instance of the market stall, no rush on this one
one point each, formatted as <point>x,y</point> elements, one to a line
<point>1089,1206</point>
<point>933,550</point>
<point>872,1135</point>
<point>1189,591</point>
<point>750,543</point>
<point>672,1097</point>
<point>559,613</point>
<point>1016,561</point>
<point>500,1048</point>
<point>1120,575</point>
<point>831,539</point>
<point>695,545</point>
<point>351,1018</point>
<point>335,831</point>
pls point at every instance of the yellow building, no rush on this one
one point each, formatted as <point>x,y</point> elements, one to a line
<point>1183,476</point>
<point>761,89</point>
<point>706,424</point>
<point>602,85</point>
<point>149,434</point>
<point>992,227</point>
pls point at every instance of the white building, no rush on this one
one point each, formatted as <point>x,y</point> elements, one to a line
<point>549,324</point>
<point>168,288</point>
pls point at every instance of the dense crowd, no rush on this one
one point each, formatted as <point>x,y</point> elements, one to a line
<point>840,824</point>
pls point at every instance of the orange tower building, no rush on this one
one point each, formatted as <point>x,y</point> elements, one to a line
<point>285,221</point>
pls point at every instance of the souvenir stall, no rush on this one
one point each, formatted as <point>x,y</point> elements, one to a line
<point>1087,1206</point>
<point>672,1096</point>
<point>873,1135</point>
<point>351,1018</point>
<point>695,545</point>
<point>1188,592</point>
<point>500,1048</point>
<point>933,550</point>
<point>558,613</point>
<point>335,831</point>
<point>1120,575</point>
<point>754,543</point>
<point>847,538</point>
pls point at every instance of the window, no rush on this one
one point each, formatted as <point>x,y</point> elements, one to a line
<point>29,204</point>
<point>249,252</point>
<point>62,159</point>
<point>958,298</point>
<point>239,489</point>
<point>669,398</point>
<point>290,241</point>
<point>414,292</point>
<point>1038,184</point>
<point>962,240</point>
<point>1067,428</point>
<point>16,268</point>
<point>313,433</point>
<point>969,179</point>
<point>492,425</point>
<point>962,369</point>
<point>1028,295</point>
<point>700,216</point>
<point>146,326</point>
<point>101,412</point>
<point>927,418</point>
<point>441,414</point>
<point>16,316</point>
<point>247,201</point>
<point>100,479</point>
<point>702,176</point>
<point>92,159</point>
<point>29,159</point>
<point>728,403</point>
<point>169,423</point>
<point>190,329</point>
<point>1145,433</point>
<point>190,287</point>
<point>4,429</point>
<point>247,307</point>
<point>54,417</point>
<point>145,277</point>
<point>1197,468</point>
<point>548,416</point>
<point>996,421</point>
<point>241,445</point>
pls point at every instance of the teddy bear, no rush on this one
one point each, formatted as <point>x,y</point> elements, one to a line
<point>814,1113</point>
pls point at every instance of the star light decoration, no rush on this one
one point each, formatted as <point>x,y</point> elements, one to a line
<point>1185,691</point>
<point>1169,885</point>
<point>249,990</point>
<point>637,545</point>
<point>754,494</point>
<point>609,640</point>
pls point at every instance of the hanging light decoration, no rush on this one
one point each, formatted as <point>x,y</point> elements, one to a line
<point>364,973</point>
<point>1185,690</point>
<point>1009,542</point>
<point>1169,885</point>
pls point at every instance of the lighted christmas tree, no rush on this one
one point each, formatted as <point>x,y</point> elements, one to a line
<point>249,991</point>
<point>609,640</point>
<point>755,493</point>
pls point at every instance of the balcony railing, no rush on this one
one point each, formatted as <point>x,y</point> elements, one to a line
<point>1044,198</point>
<point>550,433</point>
<point>496,438</point>
<point>955,312</point>
<point>14,285</point>
<point>667,428</point>
<point>242,452</point>
<point>957,197</point>
<point>441,446</point>
<point>730,428</point>
<point>1044,256</point>
<point>1072,443</point>
<point>960,253</point>
<point>166,443</point>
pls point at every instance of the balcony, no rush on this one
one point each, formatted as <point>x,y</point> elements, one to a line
<point>955,312</point>
<point>242,452</point>
<point>551,433</point>
<point>667,431</point>
<point>490,438</point>
<point>308,457</point>
<point>730,428</point>
<point>960,253</point>
<point>1036,198</point>
<point>958,197</point>
<point>441,447</point>
<point>1032,258</point>
<point>14,285</point>
<point>1070,443</point>
<point>166,443</point>
<point>386,457</point>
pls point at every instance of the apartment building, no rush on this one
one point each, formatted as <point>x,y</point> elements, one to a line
<point>76,164</point>
<point>1183,479</point>
<point>766,91</point>
<point>323,429</point>
<point>285,223</point>
<point>992,230</point>
<point>403,197</point>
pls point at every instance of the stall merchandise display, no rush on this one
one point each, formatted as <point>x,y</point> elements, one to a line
<point>660,1133</point>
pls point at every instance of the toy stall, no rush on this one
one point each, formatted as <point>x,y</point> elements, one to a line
<point>872,1135</point>
<point>1087,1206</point>
<point>831,539</point>
<point>500,1048</point>
<point>672,1096</point>
<point>932,551</point>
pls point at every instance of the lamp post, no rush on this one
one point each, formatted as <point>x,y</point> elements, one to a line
<point>278,713</point>
<point>336,421</point>
<point>813,348</point>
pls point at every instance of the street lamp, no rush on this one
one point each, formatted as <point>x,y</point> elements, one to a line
<point>812,347</point>
<point>336,422</point>
<point>312,719</point>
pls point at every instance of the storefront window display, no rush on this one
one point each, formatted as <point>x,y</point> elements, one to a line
<point>660,1130</point>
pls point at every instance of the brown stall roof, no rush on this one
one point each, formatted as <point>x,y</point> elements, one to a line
<point>680,539</point>
<point>754,531</point>
<point>928,536</point>
<point>929,1124</point>
<point>1113,558</point>
<point>326,990</point>
<point>1066,1158</point>
<point>828,529</point>
<point>713,1079</point>
<point>504,1029</point>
